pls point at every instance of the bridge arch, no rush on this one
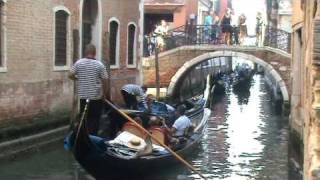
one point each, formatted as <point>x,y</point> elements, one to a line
<point>174,83</point>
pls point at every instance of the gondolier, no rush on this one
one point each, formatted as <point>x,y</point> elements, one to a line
<point>134,96</point>
<point>92,78</point>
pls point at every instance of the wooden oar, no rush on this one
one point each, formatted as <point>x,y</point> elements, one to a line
<point>154,138</point>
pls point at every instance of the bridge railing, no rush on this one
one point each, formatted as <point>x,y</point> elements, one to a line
<point>193,35</point>
<point>278,39</point>
<point>201,34</point>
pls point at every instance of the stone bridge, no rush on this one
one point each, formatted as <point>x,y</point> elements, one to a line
<point>173,64</point>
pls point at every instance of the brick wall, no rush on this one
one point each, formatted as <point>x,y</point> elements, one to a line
<point>125,12</point>
<point>30,86</point>
<point>307,61</point>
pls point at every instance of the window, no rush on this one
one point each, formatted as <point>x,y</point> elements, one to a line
<point>131,49</point>
<point>114,43</point>
<point>61,32</point>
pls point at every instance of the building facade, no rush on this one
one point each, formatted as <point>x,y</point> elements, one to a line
<point>40,40</point>
<point>284,15</point>
<point>176,12</point>
<point>305,105</point>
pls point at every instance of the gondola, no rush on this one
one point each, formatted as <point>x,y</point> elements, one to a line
<point>106,160</point>
<point>242,79</point>
<point>218,81</point>
<point>220,88</point>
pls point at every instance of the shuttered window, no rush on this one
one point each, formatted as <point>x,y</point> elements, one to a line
<point>113,40</point>
<point>131,40</point>
<point>61,21</point>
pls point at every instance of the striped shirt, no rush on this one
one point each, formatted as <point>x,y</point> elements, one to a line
<point>137,91</point>
<point>89,73</point>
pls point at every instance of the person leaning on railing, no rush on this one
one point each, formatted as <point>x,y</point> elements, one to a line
<point>226,27</point>
<point>259,25</point>
<point>243,28</point>
<point>160,32</point>
<point>207,27</point>
<point>215,33</point>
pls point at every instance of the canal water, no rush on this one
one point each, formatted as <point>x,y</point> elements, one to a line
<point>245,139</point>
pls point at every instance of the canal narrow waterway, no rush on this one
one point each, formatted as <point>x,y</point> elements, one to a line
<point>245,139</point>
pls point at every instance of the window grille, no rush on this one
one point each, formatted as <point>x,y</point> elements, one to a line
<point>113,42</point>
<point>131,47</point>
<point>61,38</point>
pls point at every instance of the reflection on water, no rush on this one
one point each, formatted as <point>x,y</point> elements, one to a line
<point>242,142</point>
<point>245,140</point>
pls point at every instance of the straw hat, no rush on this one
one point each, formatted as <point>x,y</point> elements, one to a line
<point>135,143</point>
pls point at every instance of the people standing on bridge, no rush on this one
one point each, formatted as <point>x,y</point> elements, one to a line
<point>134,96</point>
<point>215,33</point>
<point>207,27</point>
<point>161,31</point>
<point>93,85</point>
<point>259,25</point>
<point>243,28</point>
<point>226,27</point>
<point>235,28</point>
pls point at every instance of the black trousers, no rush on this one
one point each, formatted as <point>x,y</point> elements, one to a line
<point>235,35</point>
<point>94,114</point>
<point>130,100</point>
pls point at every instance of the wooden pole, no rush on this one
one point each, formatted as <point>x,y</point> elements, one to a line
<point>157,71</point>
<point>154,138</point>
<point>107,61</point>
<point>75,101</point>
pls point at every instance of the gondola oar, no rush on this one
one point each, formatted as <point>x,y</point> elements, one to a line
<point>162,144</point>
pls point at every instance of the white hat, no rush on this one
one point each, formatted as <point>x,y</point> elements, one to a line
<point>136,143</point>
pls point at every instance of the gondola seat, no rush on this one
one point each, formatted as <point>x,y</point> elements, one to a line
<point>133,129</point>
<point>158,133</point>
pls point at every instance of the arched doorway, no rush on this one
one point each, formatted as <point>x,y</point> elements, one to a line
<point>90,25</point>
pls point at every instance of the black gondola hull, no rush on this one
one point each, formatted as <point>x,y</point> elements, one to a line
<point>93,155</point>
<point>105,166</point>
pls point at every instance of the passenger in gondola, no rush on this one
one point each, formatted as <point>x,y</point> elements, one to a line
<point>181,128</point>
<point>182,124</point>
<point>157,129</point>
<point>158,108</point>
